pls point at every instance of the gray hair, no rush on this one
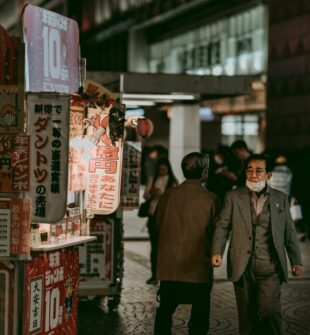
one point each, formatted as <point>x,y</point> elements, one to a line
<point>194,164</point>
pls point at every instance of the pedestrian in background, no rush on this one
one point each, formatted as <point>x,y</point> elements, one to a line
<point>281,178</point>
<point>217,181</point>
<point>185,221</point>
<point>259,220</point>
<point>155,188</point>
<point>234,171</point>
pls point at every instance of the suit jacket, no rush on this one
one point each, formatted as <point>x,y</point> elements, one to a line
<point>235,218</point>
<point>185,220</point>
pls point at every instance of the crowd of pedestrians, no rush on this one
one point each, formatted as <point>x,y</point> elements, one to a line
<point>229,196</point>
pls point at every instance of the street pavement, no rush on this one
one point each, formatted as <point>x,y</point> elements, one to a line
<point>136,311</point>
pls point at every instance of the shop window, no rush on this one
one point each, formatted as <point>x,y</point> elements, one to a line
<point>244,127</point>
<point>244,46</point>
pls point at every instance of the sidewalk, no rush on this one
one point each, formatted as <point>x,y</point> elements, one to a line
<point>136,312</point>
<point>135,230</point>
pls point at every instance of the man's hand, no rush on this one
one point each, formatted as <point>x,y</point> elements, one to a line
<point>296,270</point>
<point>216,260</point>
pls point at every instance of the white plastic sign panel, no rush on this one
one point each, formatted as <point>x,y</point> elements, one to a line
<point>52,51</point>
<point>48,127</point>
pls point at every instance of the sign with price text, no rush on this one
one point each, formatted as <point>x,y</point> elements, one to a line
<point>51,293</point>
<point>52,51</point>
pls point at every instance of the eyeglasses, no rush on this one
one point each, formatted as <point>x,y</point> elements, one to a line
<point>258,172</point>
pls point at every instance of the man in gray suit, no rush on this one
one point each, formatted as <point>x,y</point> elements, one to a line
<point>258,218</point>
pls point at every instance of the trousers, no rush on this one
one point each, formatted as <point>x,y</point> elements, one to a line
<point>173,293</point>
<point>258,297</point>
<point>153,234</point>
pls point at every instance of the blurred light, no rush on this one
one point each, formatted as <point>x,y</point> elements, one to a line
<point>135,112</point>
<point>156,97</point>
<point>230,66</point>
<point>136,103</point>
<point>206,114</point>
<point>217,70</point>
<point>258,61</point>
<point>85,144</point>
<point>258,85</point>
<point>243,61</point>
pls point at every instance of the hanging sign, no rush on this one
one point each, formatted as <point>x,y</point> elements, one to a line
<point>131,175</point>
<point>51,294</point>
<point>14,163</point>
<point>21,163</point>
<point>104,166</point>
<point>52,51</point>
<point>20,227</point>
<point>48,124</point>
<point>96,269</point>
<point>14,227</point>
<point>77,163</point>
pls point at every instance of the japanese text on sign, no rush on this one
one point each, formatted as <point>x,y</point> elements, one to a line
<point>51,293</point>
<point>49,151</point>
<point>52,56</point>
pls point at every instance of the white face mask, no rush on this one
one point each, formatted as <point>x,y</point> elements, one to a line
<point>256,187</point>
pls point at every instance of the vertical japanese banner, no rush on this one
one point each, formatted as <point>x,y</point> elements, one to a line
<point>104,167</point>
<point>21,163</point>
<point>14,163</point>
<point>14,227</point>
<point>51,293</point>
<point>5,220</point>
<point>20,227</point>
<point>77,163</point>
<point>52,51</point>
<point>48,127</point>
<point>131,175</point>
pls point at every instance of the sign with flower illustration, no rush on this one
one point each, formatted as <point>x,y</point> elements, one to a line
<point>100,150</point>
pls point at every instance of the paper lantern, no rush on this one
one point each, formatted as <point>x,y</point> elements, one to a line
<point>145,128</point>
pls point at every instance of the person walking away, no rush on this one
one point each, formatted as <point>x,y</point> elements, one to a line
<point>259,220</point>
<point>185,221</point>
<point>155,188</point>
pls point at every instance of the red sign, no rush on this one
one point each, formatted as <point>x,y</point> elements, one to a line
<point>51,295</point>
<point>52,51</point>
<point>14,227</point>
<point>20,227</point>
<point>14,163</point>
<point>21,164</point>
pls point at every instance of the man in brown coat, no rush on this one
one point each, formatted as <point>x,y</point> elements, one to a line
<point>185,218</point>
